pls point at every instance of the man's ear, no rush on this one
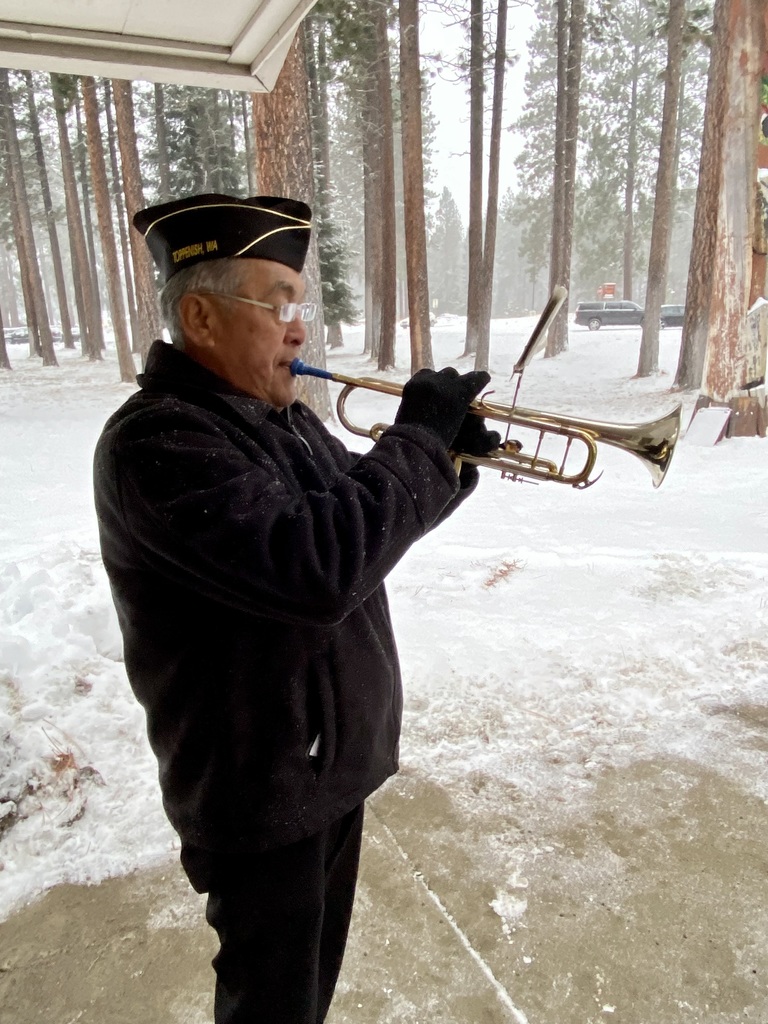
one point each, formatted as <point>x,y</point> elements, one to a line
<point>198,317</point>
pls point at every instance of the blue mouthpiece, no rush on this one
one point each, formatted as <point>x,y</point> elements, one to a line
<point>301,369</point>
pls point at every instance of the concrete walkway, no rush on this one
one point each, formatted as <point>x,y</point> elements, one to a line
<point>647,904</point>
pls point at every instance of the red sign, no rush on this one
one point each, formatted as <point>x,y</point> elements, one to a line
<point>607,291</point>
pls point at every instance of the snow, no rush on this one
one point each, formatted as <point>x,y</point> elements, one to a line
<point>545,633</point>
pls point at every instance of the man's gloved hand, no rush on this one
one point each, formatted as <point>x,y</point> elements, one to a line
<point>439,400</point>
<point>474,438</point>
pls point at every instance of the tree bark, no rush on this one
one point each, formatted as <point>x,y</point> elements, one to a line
<point>413,188</point>
<point>86,311</point>
<point>382,76</point>
<point>371,233</point>
<point>117,193</point>
<point>5,363</point>
<point>482,355</point>
<point>25,277</point>
<point>93,276</point>
<point>284,154</point>
<point>106,232</point>
<point>318,109</point>
<point>7,287</point>
<point>334,338</point>
<point>16,175</point>
<point>731,359</point>
<point>658,261</point>
<point>628,286</point>
<point>50,219</point>
<point>557,340</point>
<point>475,226</point>
<point>713,331</point>
<point>556,269</point>
<point>150,318</point>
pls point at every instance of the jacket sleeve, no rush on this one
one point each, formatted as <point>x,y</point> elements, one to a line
<point>206,516</point>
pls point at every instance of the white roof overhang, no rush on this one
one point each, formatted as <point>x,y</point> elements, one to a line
<point>236,44</point>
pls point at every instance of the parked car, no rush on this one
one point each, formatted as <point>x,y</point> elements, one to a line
<point>16,335</point>
<point>672,316</point>
<point>608,313</point>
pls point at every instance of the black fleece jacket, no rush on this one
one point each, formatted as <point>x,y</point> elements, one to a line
<point>246,550</point>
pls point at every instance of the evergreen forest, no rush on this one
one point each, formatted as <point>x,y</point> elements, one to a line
<point>78,156</point>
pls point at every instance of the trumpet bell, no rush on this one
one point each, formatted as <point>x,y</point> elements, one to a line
<point>653,443</point>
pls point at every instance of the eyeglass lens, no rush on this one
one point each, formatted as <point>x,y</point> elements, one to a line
<point>305,311</point>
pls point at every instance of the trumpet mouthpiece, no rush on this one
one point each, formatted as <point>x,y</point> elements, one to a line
<point>299,368</point>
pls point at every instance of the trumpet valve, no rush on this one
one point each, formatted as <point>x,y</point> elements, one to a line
<point>512,447</point>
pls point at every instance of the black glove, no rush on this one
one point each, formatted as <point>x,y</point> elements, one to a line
<point>474,438</point>
<point>439,400</point>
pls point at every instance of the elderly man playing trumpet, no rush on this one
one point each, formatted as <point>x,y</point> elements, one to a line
<point>247,550</point>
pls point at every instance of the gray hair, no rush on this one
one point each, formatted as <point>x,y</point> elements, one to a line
<point>224,275</point>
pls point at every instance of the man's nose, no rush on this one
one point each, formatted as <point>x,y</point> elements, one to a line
<point>296,334</point>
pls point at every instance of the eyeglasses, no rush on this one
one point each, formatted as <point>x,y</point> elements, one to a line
<point>287,312</point>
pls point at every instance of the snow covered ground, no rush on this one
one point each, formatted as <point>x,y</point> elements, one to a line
<point>544,632</point>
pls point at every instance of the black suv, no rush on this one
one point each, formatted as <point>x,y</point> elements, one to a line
<point>610,313</point>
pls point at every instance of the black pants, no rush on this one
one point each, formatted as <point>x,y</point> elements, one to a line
<point>282,918</point>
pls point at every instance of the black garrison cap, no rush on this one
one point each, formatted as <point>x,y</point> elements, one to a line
<point>213,227</point>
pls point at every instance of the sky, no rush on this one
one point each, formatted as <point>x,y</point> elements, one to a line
<point>545,634</point>
<point>450,102</point>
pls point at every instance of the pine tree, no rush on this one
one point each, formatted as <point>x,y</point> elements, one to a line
<point>338,298</point>
<point>447,255</point>
<point>37,311</point>
<point>658,262</point>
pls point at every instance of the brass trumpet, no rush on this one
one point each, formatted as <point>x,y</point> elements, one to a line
<point>653,442</point>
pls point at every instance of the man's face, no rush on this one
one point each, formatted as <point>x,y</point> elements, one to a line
<point>249,346</point>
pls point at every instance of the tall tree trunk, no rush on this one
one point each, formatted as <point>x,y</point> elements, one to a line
<point>556,269</point>
<point>93,276</point>
<point>150,318</point>
<point>690,366</point>
<point>678,141</point>
<point>629,187</point>
<point>58,267</point>
<point>25,277</point>
<point>7,287</point>
<point>371,232</point>
<point>317,73</point>
<point>658,261</point>
<point>413,187</point>
<point>323,75</point>
<point>557,340</point>
<point>284,151</point>
<point>16,174</point>
<point>475,226</point>
<point>492,205</point>
<point>388,283</point>
<point>161,134</point>
<point>733,105</point>
<point>86,311</point>
<point>106,231</point>
<point>117,193</point>
<point>5,362</point>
